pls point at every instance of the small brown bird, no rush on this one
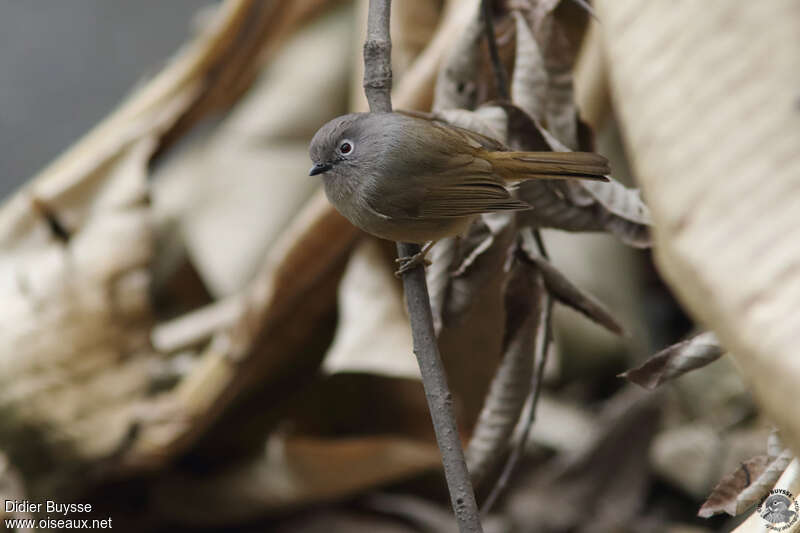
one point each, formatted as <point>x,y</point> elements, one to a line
<point>407,178</point>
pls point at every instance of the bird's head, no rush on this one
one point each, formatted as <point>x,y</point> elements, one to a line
<point>338,144</point>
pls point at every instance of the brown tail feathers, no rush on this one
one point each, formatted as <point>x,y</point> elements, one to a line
<point>513,166</point>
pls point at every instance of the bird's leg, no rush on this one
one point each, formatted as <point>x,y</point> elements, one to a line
<point>413,261</point>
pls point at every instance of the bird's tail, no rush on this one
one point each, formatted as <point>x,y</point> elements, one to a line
<point>516,166</point>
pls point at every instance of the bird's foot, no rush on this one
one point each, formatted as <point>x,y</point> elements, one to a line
<point>411,262</point>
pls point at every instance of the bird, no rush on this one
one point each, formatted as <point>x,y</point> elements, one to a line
<point>412,178</point>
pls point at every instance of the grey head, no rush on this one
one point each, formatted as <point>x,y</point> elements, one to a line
<point>336,143</point>
<point>347,143</point>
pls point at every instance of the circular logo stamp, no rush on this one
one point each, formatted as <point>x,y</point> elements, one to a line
<point>779,510</point>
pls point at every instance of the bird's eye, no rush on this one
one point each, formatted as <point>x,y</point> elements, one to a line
<point>346,147</point>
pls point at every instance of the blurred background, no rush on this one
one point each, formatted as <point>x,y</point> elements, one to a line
<point>194,340</point>
<point>68,65</point>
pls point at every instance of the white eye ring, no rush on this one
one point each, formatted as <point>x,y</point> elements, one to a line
<point>346,147</point>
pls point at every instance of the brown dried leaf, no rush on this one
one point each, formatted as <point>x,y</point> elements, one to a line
<point>743,488</point>
<point>604,486</point>
<point>524,300</point>
<point>546,52</point>
<point>676,360</point>
<point>529,81</point>
<point>473,313</point>
<point>473,260</point>
<point>733,265</point>
<point>571,205</point>
<point>457,83</point>
<point>564,291</point>
<point>290,472</point>
<point>250,170</point>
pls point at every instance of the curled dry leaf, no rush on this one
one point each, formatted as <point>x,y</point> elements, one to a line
<point>567,293</point>
<point>291,471</point>
<point>569,205</point>
<point>529,79</point>
<point>89,294</point>
<point>790,482</point>
<point>603,487</point>
<point>473,314</point>
<point>373,333</point>
<point>457,81</point>
<point>231,191</point>
<point>546,50</point>
<point>745,487</point>
<point>732,263</point>
<point>76,316</point>
<point>263,341</point>
<point>524,299</point>
<point>676,360</point>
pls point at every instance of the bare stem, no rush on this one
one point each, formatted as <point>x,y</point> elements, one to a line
<point>543,343</point>
<point>377,87</point>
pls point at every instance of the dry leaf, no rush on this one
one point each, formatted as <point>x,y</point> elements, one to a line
<point>676,360</point>
<point>235,187</point>
<point>76,315</point>
<point>457,82</point>
<point>524,301</point>
<point>373,333</point>
<point>733,264</point>
<point>725,496</point>
<point>603,487</point>
<point>567,293</point>
<point>290,472</point>
<point>568,205</point>
<point>790,482</point>
<point>745,487</point>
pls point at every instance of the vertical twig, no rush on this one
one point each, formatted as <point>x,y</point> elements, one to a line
<point>543,340</point>
<point>500,77</point>
<point>377,87</point>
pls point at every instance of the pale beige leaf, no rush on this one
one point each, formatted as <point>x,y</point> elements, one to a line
<point>529,80</point>
<point>721,170</point>
<point>674,361</point>
<point>373,334</point>
<point>76,316</point>
<point>456,84</point>
<point>230,193</point>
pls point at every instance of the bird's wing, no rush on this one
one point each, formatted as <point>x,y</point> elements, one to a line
<point>444,174</point>
<point>466,188</point>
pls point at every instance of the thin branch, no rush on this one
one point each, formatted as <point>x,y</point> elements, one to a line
<point>500,76</point>
<point>377,87</point>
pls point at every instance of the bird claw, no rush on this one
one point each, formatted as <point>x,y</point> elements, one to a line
<point>411,262</point>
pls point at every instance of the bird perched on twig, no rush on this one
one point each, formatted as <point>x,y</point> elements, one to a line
<point>407,178</point>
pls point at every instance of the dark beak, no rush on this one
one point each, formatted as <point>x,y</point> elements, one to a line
<point>319,168</point>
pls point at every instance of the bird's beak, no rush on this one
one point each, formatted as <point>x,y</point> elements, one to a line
<point>319,168</point>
